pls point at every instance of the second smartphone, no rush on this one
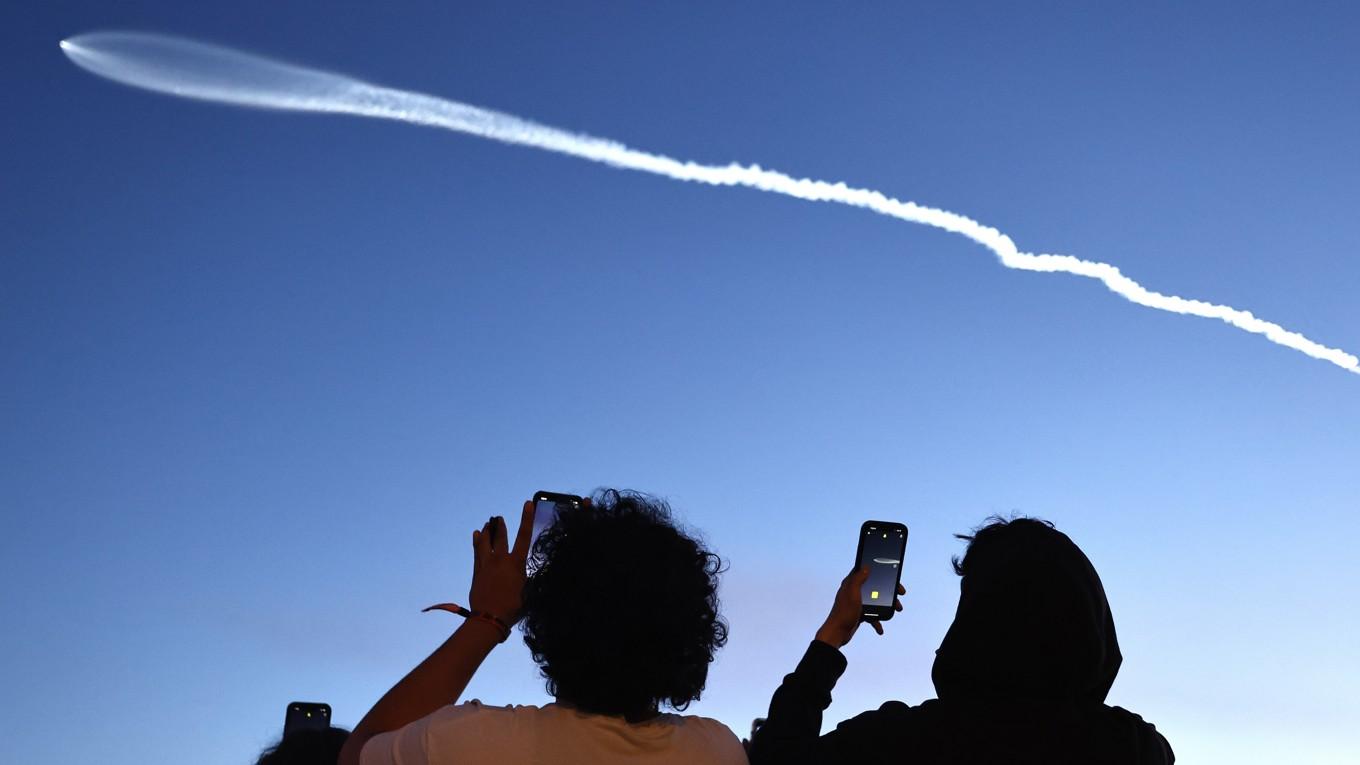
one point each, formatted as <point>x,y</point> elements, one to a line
<point>882,545</point>
<point>547,504</point>
<point>306,715</point>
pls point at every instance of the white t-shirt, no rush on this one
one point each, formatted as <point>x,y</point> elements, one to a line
<point>474,733</point>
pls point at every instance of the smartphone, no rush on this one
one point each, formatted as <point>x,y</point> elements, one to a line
<point>882,545</point>
<point>547,504</point>
<point>306,715</point>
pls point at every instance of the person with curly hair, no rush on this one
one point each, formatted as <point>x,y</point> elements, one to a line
<point>619,608</point>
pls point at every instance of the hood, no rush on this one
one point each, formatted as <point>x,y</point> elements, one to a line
<point>1033,623</point>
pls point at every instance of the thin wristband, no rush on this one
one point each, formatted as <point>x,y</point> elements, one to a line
<point>454,608</point>
<point>500,626</point>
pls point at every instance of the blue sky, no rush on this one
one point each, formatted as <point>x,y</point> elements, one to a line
<point>264,372</point>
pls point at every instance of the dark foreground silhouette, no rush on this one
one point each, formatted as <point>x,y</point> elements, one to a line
<point>306,747</point>
<point>1021,675</point>
<point>620,613</point>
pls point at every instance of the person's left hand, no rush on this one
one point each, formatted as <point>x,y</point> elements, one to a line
<point>498,572</point>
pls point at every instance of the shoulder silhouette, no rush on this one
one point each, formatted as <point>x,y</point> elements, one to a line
<point>1021,676</point>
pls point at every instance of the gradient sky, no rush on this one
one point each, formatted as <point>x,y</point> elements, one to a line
<point>264,373</point>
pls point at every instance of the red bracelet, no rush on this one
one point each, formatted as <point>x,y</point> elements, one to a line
<point>454,608</point>
<point>500,626</point>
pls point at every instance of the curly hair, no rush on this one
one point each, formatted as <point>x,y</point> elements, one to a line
<point>621,607</point>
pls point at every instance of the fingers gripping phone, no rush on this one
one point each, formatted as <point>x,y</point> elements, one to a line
<point>547,504</point>
<point>882,545</point>
<point>306,715</point>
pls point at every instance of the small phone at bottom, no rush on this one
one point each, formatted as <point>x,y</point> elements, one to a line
<point>882,546</point>
<point>306,715</point>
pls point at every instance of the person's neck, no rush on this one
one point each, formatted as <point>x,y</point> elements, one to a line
<point>650,714</point>
<point>628,717</point>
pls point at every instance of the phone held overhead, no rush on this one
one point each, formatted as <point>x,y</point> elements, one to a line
<point>882,546</point>
<point>547,504</point>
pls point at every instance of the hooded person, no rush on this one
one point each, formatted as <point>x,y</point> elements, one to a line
<point>1020,677</point>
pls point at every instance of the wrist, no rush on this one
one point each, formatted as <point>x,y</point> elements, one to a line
<point>508,616</point>
<point>486,628</point>
<point>832,635</point>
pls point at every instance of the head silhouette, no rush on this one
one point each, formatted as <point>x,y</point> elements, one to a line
<point>1032,624</point>
<point>306,747</point>
<point>621,610</point>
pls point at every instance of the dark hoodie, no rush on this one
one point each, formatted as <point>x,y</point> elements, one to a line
<point>1021,676</point>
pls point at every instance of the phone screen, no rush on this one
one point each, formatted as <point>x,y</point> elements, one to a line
<point>547,505</point>
<point>882,545</point>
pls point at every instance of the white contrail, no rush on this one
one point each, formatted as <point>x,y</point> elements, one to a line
<point>212,73</point>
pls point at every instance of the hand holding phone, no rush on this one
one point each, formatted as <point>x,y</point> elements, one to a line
<point>498,568</point>
<point>850,608</point>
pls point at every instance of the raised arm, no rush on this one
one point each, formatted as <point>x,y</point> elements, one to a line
<point>792,731</point>
<point>497,584</point>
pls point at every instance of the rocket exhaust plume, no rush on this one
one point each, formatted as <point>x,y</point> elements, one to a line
<point>211,73</point>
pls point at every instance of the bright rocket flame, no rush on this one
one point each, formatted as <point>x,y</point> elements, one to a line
<point>212,73</point>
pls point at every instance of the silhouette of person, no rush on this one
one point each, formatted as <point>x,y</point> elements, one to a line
<point>1021,675</point>
<point>306,747</point>
<point>620,613</point>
